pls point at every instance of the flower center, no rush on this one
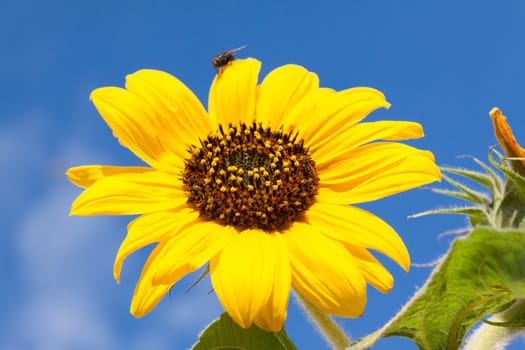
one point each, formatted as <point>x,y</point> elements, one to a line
<point>250,177</point>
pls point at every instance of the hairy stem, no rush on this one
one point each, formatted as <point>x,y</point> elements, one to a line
<point>325,324</point>
<point>367,341</point>
<point>490,337</point>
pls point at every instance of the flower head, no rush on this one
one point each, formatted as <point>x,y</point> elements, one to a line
<point>260,187</point>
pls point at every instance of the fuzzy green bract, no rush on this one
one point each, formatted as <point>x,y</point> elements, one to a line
<point>501,205</point>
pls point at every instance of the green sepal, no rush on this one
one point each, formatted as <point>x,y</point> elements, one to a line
<point>505,208</point>
<point>497,181</point>
<point>511,210</point>
<point>455,194</point>
<point>482,274</point>
<point>454,210</point>
<point>225,334</point>
<point>493,183</point>
<point>476,215</point>
<point>466,193</point>
<point>511,175</point>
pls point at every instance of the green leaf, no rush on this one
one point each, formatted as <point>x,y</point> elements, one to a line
<point>483,274</point>
<point>225,334</point>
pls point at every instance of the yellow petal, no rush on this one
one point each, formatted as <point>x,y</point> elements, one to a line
<point>324,272</point>
<point>251,279</point>
<point>192,247</point>
<point>135,124</point>
<point>297,119</point>
<point>151,288</point>
<point>360,228</point>
<point>271,318</point>
<point>179,115</point>
<point>87,175</point>
<point>415,171</point>
<point>371,268</point>
<point>281,90</point>
<point>233,92</point>
<point>336,111</point>
<point>340,147</point>
<point>375,171</point>
<point>367,161</point>
<point>147,295</point>
<point>130,194</point>
<point>152,228</point>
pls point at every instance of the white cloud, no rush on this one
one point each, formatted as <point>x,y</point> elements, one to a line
<point>59,321</point>
<point>22,144</point>
<point>58,287</point>
<point>54,245</point>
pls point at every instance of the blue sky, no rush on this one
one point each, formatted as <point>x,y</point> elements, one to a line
<point>444,64</point>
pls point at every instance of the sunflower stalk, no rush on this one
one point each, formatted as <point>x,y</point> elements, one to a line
<point>325,324</point>
<point>500,330</point>
<point>369,340</point>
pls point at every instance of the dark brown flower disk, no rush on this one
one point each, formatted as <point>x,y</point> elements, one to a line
<point>251,177</point>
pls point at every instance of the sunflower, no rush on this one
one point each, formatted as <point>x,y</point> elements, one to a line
<point>260,188</point>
